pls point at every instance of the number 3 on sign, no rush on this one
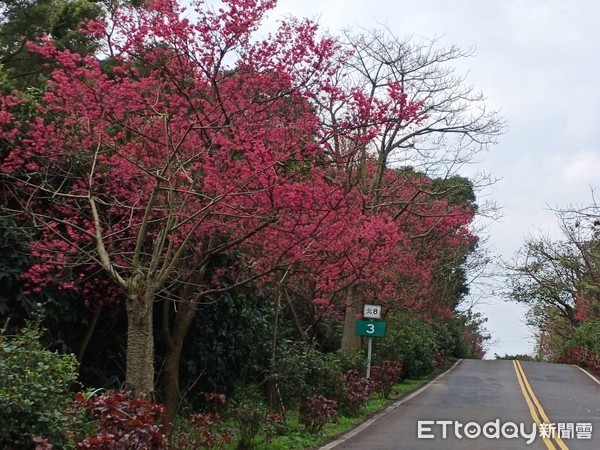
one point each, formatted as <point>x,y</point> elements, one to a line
<point>370,328</point>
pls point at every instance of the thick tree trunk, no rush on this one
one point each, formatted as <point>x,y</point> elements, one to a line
<point>139,376</point>
<point>350,341</point>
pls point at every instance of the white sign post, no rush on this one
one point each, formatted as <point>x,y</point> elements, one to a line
<point>370,312</point>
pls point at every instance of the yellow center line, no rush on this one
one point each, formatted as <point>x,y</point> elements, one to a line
<point>535,407</point>
<point>531,407</point>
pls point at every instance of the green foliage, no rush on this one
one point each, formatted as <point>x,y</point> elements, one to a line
<point>355,360</point>
<point>450,340</point>
<point>410,340</point>
<point>35,386</point>
<point>587,337</point>
<point>464,336</point>
<point>456,189</point>
<point>27,20</point>
<point>249,415</point>
<point>228,343</point>
<point>301,372</point>
<point>14,260</point>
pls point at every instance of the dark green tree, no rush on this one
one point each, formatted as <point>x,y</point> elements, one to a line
<point>22,21</point>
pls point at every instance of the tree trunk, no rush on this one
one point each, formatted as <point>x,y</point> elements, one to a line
<point>350,341</point>
<point>88,335</point>
<point>183,320</point>
<point>139,376</point>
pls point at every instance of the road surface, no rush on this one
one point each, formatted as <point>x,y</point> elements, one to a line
<point>495,404</point>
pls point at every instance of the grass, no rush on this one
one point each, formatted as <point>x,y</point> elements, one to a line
<point>298,438</point>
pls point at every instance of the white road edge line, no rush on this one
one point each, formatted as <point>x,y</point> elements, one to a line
<point>379,415</point>
<point>588,374</point>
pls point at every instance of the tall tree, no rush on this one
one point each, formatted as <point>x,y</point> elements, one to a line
<point>559,279</point>
<point>430,120</point>
<point>546,273</point>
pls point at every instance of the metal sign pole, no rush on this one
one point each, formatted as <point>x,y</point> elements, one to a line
<point>370,329</point>
<point>369,351</point>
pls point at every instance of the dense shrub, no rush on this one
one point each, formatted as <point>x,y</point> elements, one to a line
<point>122,421</point>
<point>384,376</point>
<point>300,372</point>
<point>255,425</point>
<point>35,391</point>
<point>584,348</point>
<point>249,415</point>
<point>201,430</point>
<point>587,336</point>
<point>410,340</point>
<point>355,393</point>
<point>354,360</point>
<point>316,412</point>
<point>450,341</point>
<point>219,357</point>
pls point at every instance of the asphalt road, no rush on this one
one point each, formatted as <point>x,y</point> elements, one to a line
<point>490,405</point>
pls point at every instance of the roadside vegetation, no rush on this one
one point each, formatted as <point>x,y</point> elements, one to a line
<point>559,280</point>
<point>43,404</point>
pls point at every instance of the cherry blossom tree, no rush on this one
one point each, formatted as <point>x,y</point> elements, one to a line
<point>172,156</point>
<point>423,118</point>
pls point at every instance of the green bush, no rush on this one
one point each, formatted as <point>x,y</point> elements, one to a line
<point>409,340</point>
<point>35,391</point>
<point>249,415</point>
<point>451,342</point>
<point>353,360</point>
<point>583,348</point>
<point>587,336</point>
<point>300,372</point>
<point>217,358</point>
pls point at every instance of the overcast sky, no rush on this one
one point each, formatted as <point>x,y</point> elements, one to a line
<point>538,63</point>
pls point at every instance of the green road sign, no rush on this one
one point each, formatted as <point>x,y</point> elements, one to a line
<point>373,328</point>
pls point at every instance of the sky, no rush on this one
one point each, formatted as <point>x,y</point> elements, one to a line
<point>537,62</point>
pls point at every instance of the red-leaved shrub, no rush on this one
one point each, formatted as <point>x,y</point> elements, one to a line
<point>356,392</point>
<point>384,376</point>
<point>122,421</point>
<point>316,412</point>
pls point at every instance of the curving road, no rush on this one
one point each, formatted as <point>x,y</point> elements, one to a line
<point>496,404</point>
